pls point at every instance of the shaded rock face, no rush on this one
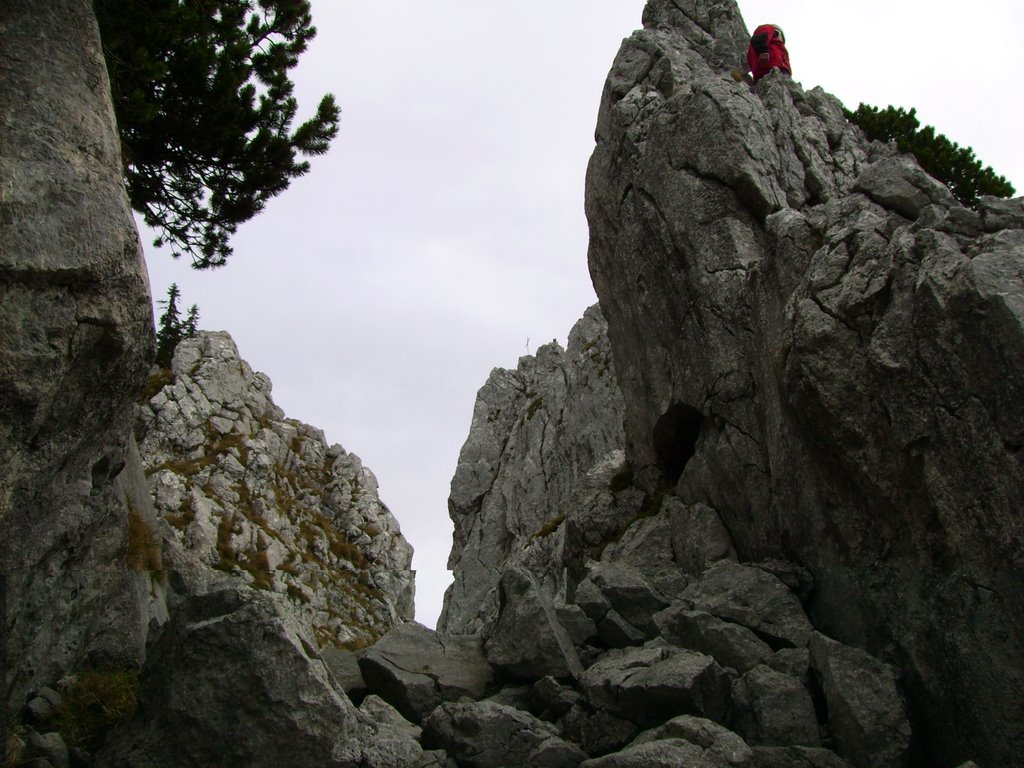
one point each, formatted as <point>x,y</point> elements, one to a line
<point>235,679</point>
<point>76,335</point>
<point>252,494</point>
<point>816,341</point>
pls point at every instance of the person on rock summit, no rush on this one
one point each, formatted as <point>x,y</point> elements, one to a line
<point>767,51</point>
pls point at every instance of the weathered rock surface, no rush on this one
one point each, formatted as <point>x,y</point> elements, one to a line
<point>489,735</point>
<point>235,679</point>
<point>816,341</point>
<point>800,439</point>
<point>414,669</point>
<point>651,685</point>
<point>752,598</point>
<point>264,498</point>
<point>775,709</point>
<point>536,433</point>
<point>707,690</point>
<point>528,640</point>
<point>717,742</point>
<point>76,334</point>
<point>231,662</point>
<point>664,753</point>
<point>861,696</point>
<point>88,568</point>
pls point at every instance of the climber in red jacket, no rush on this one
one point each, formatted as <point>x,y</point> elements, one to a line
<point>767,51</point>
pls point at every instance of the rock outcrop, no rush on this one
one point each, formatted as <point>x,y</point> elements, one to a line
<point>817,342</point>
<point>542,436</point>
<point>818,359</point>
<point>248,492</point>
<point>76,336</point>
<point>235,679</point>
<point>627,633</point>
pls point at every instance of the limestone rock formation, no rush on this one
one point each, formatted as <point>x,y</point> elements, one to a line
<point>415,669</point>
<point>235,679</point>
<point>536,433</point>
<point>76,335</point>
<point>253,494</point>
<point>818,356</point>
<point>814,340</point>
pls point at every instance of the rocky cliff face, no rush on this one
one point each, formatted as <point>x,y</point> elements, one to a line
<point>536,433</point>
<point>76,335</point>
<point>817,342</point>
<point>250,493</point>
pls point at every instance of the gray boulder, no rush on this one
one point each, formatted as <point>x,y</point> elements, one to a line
<point>628,592</point>
<point>717,741</point>
<point>865,709</point>
<point>235,662</point>
<point>665,753</point>
<point>344,665</point>
<point>774,709</point>
<point>651,685</point>
<point>489,735</point>
<point>752,598</point>
<point>597,730</point>
<point>553,699</point>
<point>528,640</point>
<point>731,645</point>
<point>699,537</point>
<point>899,183</point>
<point>386,716</point>
<point>615,632</point>
<point>414,669</point>
<point>795,662</point>
<point>646,544</point>
<point>576,622</point>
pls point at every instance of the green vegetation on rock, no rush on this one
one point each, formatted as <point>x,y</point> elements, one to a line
<point>947,161</point>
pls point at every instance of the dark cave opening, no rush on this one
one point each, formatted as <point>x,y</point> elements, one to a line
<point>675,439</point>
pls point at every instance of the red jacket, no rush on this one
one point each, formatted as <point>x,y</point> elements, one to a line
<point>767,51</point>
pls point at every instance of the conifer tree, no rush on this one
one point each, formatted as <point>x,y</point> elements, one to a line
<point>191,325</point>
<point>953,165</point>
<point>171,329</point>
<point>204,105</point>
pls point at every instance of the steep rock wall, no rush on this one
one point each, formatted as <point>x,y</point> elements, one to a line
<point>814,339</point>
<point>75,340</point>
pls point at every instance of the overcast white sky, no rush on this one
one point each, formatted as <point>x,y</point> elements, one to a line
<point>443,235</point>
